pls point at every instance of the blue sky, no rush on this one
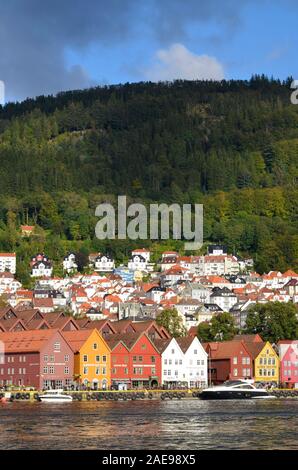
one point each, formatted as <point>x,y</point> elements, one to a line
<point>53,46</point>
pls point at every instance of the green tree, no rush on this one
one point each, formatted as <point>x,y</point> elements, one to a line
<point>221,328</point>
<point>273,321</point>
<point>170,319</point>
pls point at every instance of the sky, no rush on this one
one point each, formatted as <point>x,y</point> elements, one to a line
<point>51,46</point>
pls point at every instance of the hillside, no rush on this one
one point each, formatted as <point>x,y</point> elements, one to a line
<point>231,145</point>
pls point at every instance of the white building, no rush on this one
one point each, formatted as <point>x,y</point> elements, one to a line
<point>142,252</point>
<point>8,262</point>
<point>184,361</point>
<point>224,298</point>
<point>69,263</point>
<point>42,269</point>
<point>137,263</point>
<point>104,263</point>
<point>195,362</point>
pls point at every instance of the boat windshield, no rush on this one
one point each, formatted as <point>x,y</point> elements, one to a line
<point>232,383</point>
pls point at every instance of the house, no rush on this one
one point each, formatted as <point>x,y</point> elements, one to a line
<point>288,354</point>
<point>137,263</point>
<point>8,262</point>
<point>135,361</point>
<point>104,263</point>
<point>224,298</point>
<point>27,230</point>
<point>44,305</point>
<point>195,362</point>
<point>39,359</point>
<point>172,357</point>
<point>217,250</point>
<point>69,263</point>
<point>42,269</point>
<point>92,358</point>
<point>229,360</point>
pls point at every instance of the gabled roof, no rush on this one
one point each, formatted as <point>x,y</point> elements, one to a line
<point>185,342</point>
<point>76,339</point>
<point>254,338</point>
<point>224,350</point>
<point>26,341</point>
<point>162,344</point>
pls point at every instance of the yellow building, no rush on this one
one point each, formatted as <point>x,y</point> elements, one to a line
<point>266,362</point>
<point>92,358</point>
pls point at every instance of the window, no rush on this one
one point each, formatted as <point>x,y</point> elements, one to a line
<point>273,361</point>
<point>97,358</point>
<point>104,358</point>
<point>180,362</point>
<point>173,351</point>
<point>153,370</point>
<point>52,370</point>
<point>195,351</point>
<point>235,372</point>
<point>20,371</point>
<point>46,358</point>
<point>170,362</point>
<point>269,361</point>
<point>153,359</point>
<point>104,371</point>
<point>66,358</point>
<point>265,361</point>
<point>57,346</point>
<point>66,370</point>
<point>140,358</point>
<point>176,373</point>
<point>165,372</point>
<point>85,358</point>
<point>97,371</point>
<point>52,358</point>
<point>260,372</point>
<point>85,370</point>
<point>126,371</point>
<point>45,370</point>
<point>235,360</point>
<point>272,372</point>
<point>261,361</point>
<point>94,346</point>
<point>165,362</point>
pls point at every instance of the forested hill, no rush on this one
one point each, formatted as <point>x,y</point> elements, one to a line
<point>232,145</point>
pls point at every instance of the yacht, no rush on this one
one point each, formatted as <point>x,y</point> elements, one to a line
<point>55,396</point>
<point>234,390</point>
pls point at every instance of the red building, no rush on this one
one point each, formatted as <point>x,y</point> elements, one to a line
<point>135,360</point>
<point>229,360</point>
<point>37,358</point>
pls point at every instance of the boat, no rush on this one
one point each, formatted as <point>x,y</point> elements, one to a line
<point>55,396</point>
<point>235,390</point>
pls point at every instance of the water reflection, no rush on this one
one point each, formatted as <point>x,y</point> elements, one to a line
<point>189,424</point>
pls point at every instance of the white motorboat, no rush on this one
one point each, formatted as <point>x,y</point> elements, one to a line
<point>235,390</point>
<point>55,396</point>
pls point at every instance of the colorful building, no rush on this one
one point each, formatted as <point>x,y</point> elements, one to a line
<point>288,353</point>
<point>265,362</point>
<point>37,358</point>
<point>135,361</point>
<point>92,358</point>
<point>229,360</point>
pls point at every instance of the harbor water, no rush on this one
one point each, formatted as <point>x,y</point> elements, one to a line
<point>151,425</point>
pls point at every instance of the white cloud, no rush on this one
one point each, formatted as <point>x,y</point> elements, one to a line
<point>177,62</point>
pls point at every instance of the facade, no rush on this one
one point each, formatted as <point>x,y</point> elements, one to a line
<point>8,262</point>
<point>195,362</point>
<point>266,362</point>
<point>229,360</point>
<point>136,361</point>
<point>40,359</point>
<point>92,358</point>
<point>104,263</point>
<point>288,353</point>
<point>69,263</point>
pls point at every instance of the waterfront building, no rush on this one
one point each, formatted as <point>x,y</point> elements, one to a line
<point>288,353</point>
<point>228,360</point>
<point>39,359</point>
<point>135,361</point>
<point>92,358</point>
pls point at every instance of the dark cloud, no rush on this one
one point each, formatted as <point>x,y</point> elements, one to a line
<point>35,34</point>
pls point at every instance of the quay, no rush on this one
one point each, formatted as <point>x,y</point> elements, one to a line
<point>132,395</point>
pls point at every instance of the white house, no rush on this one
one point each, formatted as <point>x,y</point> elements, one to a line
<point>8,262</point>
<point>69,263</point>
<point>195,362</point>
<point>142,252</point>
<point>42,269</point>
<point>184,361</point>
<point>224,298</point>
<point>137,263</point>
<point>104,263</point>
